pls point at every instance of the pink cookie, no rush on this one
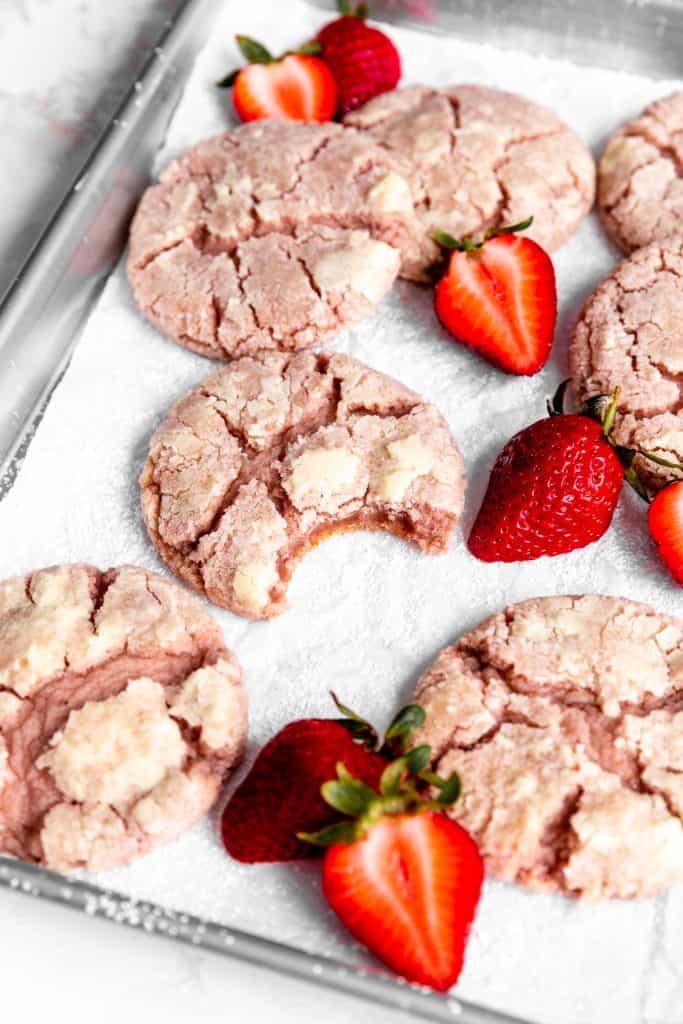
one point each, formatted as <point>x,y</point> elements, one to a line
<point>121,713</point>
<point>640,177</point>
<point>630,335</point>
<point>274,236</point>
<point>563,716</point>
<point>276,452</point>
<point>478,158</point>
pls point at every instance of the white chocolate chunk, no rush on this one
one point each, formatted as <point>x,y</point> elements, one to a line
<point>365,265</point>
<point>113,750</point>
<point>410,458</point>
<point>321,473</point>
<point>208,699</point>
<point>252,583</point>
<point>391,194</point>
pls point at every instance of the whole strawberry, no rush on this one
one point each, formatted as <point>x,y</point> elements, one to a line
<point>363,60</point>
<point>281,794</point>
<point>553,488</point>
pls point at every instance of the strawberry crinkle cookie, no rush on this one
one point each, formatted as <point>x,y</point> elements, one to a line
<point>630,335</point>
<point>121,714</point>
<point>640,176</point>
<point>564,718</point>
<point>313,212</point>
<point>275,452</point>
<point>478,158</point>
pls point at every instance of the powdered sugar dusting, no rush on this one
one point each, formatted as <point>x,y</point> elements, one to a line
<point>368,613</point>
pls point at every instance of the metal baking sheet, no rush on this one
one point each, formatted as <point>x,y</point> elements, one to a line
<point>40,318</point>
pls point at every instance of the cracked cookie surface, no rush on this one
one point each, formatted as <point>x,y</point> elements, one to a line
<point>478,158</point>
<point>564,718</point>
<point>271,454</point>
<point>273,236</point>
<point>630,335</point>
<point>640,177</point>
<point>121,713</point>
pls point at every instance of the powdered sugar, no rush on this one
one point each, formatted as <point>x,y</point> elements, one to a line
<point>368,612</point>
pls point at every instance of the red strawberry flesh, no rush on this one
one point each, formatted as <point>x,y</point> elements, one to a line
<point>665,521</point>
<point>501,300</point>
<point>281,794</point>
<point>299,87</point>
<point>408,891</point>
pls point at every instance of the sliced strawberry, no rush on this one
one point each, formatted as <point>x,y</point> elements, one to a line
<point>665,521</point>
<point>403,877</point>
<point>298,86</point>
<point>408,891</point>
<point>500,298</point>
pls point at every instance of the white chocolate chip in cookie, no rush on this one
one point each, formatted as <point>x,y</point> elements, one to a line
<point>322,474</point>
<point>112,750</point>
<point>391,194</point>
<point>410,458</point>
<point>362,264</point>
<point>208,699</point>
<point>252,583</point>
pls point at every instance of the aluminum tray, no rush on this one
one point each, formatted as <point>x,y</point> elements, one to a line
<point>49,301</point>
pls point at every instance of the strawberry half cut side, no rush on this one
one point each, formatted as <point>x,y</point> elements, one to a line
<point>499,297</point>
<point>297,86</point>
<point>665,522</point>
<point>399,873</point>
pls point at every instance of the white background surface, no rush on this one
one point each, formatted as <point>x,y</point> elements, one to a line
<point>527,950</point>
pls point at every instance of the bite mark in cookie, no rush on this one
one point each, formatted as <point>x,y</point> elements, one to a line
<point>477,158</point>
<point>564,718</point>
<point>640,177</point>
<point>121,713</point>
<point>630,335</point>
<point>276,452</point>
<point>273,208</point>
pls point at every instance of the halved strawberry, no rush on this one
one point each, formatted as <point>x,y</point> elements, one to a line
<point>297,86</point>
<point>403,877</point>
<point>499,297</point>
<point>281,794</point>
<point>665,521</point>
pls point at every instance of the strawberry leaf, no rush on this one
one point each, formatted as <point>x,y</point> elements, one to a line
<point>510,229</point>
<point>610,413</point>
<point>391,777</point>
<point>359,728</point>
<point>252,51</point>
<point>417,759</point>
<point>229,80</point>
<point>348,796</point>
<point>450,790</point>
<point>556,404</point>
<point>342,832</point>
<point>659,461</point>
<point>406,722</point>
<point>313,48</point>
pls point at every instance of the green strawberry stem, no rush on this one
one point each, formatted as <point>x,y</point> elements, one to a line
<point>468,244</point>
<point>360,10</point>
<point>397,736</point>
<point>402,790</point>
